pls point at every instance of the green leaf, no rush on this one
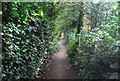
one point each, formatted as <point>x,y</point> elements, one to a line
<point>7,42</point>
<point>41,13</point>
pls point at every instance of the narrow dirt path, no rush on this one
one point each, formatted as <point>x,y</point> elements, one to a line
<point>59,67</point>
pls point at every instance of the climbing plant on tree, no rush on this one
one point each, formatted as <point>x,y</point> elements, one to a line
<point>30,32</point>
<point>96,48</point>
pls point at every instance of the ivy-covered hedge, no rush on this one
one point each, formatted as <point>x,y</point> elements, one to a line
<point>28,39</point>
<point>96,54</point>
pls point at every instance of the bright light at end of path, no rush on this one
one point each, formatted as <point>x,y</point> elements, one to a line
<point>96,1</point>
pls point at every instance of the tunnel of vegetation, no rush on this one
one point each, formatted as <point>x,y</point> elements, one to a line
<point>31,31</point>
<point>91,34</point>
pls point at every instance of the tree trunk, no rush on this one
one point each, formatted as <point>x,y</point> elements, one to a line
<point>119,13</point>
<point>80,23</point>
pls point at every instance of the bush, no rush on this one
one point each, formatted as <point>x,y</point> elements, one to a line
<point>96,54</point>
<point>96,51</point>
<point>27,40</point>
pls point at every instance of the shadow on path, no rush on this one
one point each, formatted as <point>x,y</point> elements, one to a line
<point>59,67</point>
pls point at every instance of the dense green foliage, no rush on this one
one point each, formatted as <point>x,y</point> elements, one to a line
<point>94,50</point>
<point>28,33</point>
<point>31,30</point>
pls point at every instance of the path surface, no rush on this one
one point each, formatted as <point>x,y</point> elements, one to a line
<point>59,67</point>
